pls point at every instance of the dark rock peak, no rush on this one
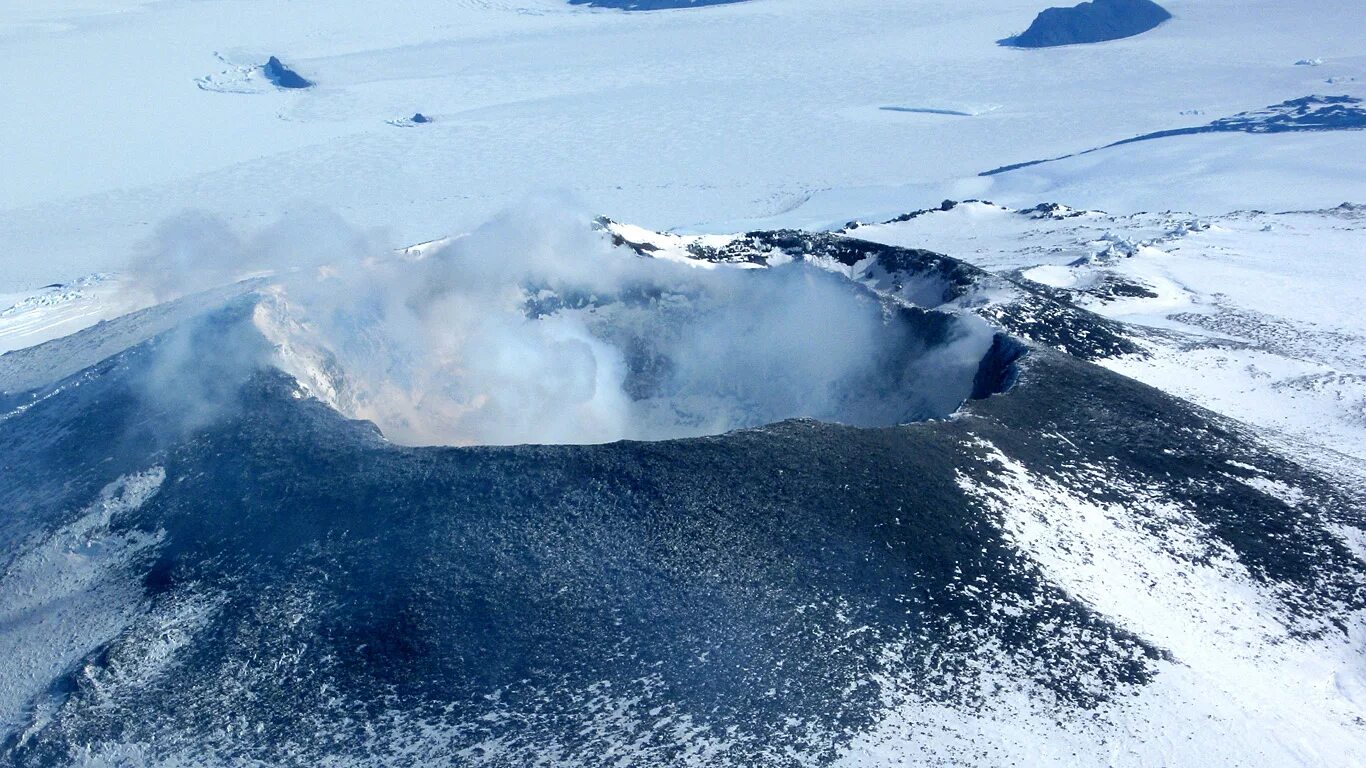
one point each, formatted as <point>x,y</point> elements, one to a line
<point>650,5</point>
<point>1092,22</point>
<point>282,76</point>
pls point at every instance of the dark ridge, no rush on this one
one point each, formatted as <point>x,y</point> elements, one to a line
<point>1027,163</point>
<point>1039,314</point>
<point>282,76</point>
<point>1092,22</point>
<point>953,277</point>
<point>420,118</point>
<point>1307,113</point>
<point>947,205</point>
<point>927,111</point>
<point>650,5</point>
<point>1040,211</point>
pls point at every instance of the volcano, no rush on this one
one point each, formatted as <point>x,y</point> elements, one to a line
<point>208,560</point>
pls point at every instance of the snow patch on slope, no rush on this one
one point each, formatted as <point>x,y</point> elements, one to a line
<point>67,592</point>
<point>1279,692</point>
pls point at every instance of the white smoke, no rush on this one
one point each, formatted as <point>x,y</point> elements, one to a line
<point>535,329</point>
<point>196,250</point>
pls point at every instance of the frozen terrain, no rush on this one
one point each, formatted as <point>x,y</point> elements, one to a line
<point>763,383</point>
<point>673,118</point>
<point>1307,113</point>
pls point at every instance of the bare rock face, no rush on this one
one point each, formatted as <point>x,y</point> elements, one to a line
<point>650,5</point>
<point>1091,22</point>
<point>284,77</point>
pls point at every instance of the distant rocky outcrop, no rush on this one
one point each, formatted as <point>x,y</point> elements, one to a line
<point>1091,22</point>
<point>1307,113</point>
<point>284,77</point>
<point>650,5</point>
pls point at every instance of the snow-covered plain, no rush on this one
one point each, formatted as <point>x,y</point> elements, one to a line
<point>667,119</point>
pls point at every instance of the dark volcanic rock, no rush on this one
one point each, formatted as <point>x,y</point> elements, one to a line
<point>296,590</point>
<point>1036,313</point>
<point>282,76</point>
<point>1091,22</point>
<point>341,594</point>
<point>650,5</point>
